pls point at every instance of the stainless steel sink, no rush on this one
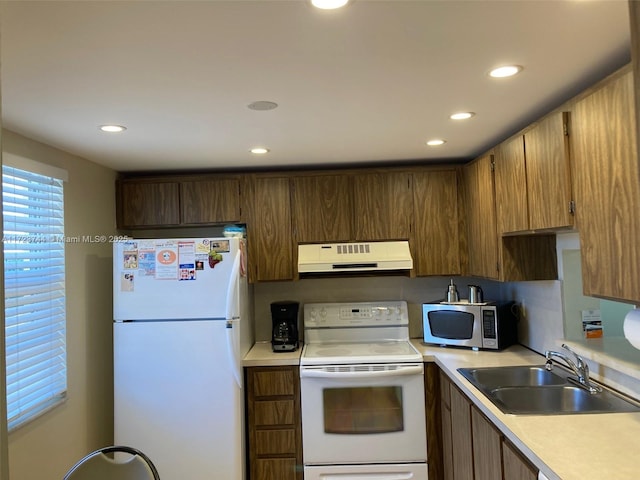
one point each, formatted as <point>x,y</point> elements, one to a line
<point>530,390</point>
<point>558,399</point>
<point>493,377</point>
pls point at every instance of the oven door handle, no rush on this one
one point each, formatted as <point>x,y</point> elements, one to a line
<point>324,372</point>
<point>368,476</point>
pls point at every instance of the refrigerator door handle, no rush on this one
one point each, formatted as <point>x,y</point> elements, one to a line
<point>232,353</point>
<point>232,316</point>
<point>232,289</point>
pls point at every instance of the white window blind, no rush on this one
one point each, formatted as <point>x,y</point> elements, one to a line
<point>35,312</point>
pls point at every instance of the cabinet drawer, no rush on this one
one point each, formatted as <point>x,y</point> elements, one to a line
<point>273,383</point>
<point>274,412</point>
<point>276,469</point>
<point>276,442</point>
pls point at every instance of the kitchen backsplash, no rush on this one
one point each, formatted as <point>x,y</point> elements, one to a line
<point>541,325</point>
<point>415,291</point>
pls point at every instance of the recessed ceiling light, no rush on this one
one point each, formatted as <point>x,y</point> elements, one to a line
<point>259,150</point>
<point>436,142</point>
<point>461,115</point>
<point>329,4</point>
<point>112,128</point>
<point>505,71</point>
<point>262,105</point>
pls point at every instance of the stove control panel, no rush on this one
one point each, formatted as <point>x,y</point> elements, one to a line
<point>360,314</point>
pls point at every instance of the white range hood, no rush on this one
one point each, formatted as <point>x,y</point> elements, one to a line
<point>354,257</point>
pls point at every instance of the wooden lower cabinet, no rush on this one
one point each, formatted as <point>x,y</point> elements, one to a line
<point>461,435</point>
<point>514,465</point>
<point>445,412</point>
<point>487,447</point>
<point>472,446</point>
<point>274,428</point>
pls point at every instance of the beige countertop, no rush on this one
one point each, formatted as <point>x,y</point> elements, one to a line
<point>566,447</point>
<point>261,355</point>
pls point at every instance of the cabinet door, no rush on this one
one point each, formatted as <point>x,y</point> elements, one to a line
<point>480,212</point>
<point>269,231</point>
<point>548,173</point>
<point>210,201</point>
<point>607,191</point>
<point>445,411</point>
<point>383,206</point>
<point>148,204</point>
<point>515,465</point>
<point>322,208</point>
<point>461,438</point>
<point>433,403</point>
<point>436,242</point>
<point>487,451</point>
<point>511,186</point>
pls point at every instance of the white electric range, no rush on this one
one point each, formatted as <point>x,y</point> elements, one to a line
<point>362,390</point>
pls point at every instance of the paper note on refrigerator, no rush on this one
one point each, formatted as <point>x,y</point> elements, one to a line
<point>167,261</point>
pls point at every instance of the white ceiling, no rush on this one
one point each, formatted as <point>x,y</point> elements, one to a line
<point>368,83</point>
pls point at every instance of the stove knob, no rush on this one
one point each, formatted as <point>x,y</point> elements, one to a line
<point>323,312</point>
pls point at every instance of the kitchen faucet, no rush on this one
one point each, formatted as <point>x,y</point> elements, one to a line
<point>579,367</point>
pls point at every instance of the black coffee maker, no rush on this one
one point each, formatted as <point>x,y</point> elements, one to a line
<point>284,332</point>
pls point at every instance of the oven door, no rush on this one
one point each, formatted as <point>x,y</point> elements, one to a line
<point>363,414</point>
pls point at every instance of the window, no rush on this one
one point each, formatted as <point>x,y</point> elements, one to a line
<point>34,269</point>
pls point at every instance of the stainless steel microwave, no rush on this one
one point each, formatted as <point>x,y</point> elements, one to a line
<point>490,325</point>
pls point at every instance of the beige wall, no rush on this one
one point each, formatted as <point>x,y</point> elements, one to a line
<point>48,446</point>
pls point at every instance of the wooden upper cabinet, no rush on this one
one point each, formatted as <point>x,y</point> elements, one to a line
<point>269,230</point>
<point>178,201</point>
<point>511,186</point>
<point>533,180</point>
<point>482,237</point>
<point>548,173</point>
<point>383,206</point>
<point>607,191</point>
<point>436,244</point>
<point>210,201</point>
<point>148,204</point>
<point>322,208</point>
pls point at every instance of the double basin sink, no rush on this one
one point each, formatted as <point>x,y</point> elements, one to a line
<point>531,389</point>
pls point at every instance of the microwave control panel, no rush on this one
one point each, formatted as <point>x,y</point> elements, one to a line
<point>489,334</point>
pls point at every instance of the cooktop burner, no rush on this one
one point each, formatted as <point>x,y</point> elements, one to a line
<point>351,333</point>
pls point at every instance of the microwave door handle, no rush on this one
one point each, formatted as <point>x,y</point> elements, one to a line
<point>323,373</point>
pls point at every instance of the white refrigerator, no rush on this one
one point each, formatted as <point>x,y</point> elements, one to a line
<point>181,328</point>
